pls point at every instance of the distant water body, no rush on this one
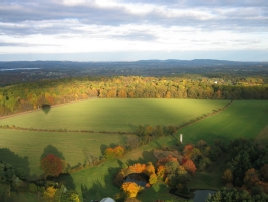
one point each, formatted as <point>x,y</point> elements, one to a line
<point>16,69</point>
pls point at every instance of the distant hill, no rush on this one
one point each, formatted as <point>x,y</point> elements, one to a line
<point>21,71</point>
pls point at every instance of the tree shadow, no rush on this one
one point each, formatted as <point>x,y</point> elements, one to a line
<point>46,108</point>
<point>20,164</point>
<point>50,149</point>
<point>147,156</point>
<point>99,189</point>
<point>155,193</point>
<point>65,179</point>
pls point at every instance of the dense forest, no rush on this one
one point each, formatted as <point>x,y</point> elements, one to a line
<point>29,96</point>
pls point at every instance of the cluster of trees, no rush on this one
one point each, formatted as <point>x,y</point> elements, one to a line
<point>173,169</point>
<point>147,133</point>
<point>131,189</point>
<point>246,170</point>
<point>237,195</point>
<point>115,152</point>
<point>42,190</point>
<point>29,96</point>
<point>178,171</point>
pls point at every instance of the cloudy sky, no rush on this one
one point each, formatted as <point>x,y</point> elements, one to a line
<point>108,30</point>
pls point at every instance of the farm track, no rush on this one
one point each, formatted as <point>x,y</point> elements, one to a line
<point>105,132</point>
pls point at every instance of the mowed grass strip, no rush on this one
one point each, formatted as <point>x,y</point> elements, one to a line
<point>116,114</point>
<point>75,147</point>
<point>243,119</point>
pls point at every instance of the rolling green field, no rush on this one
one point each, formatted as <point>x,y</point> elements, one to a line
<point>243,118</point>
<point>75,147</point>
<point>116,114</point>
<point>94,114</point>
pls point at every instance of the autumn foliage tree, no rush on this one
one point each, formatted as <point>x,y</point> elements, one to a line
<point>136,168</point>
<point>131,189</point>
<point>227,176</point>
<point>115,152</point>
<point>49,193</point>
<point>251,178</point>
<point>189,166</point>
<point>52,165</point>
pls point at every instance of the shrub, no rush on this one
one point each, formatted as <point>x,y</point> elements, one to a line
<point>115,152</point>
<point>153,179</point>
<point>227,176</point>
<point>70,196</point>
<point>49,193</point>
<point>161,172</point>
<point>149,170</point>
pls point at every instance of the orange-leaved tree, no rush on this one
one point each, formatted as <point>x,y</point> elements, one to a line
<point>189,166</point>
<point>136,168</point>
<point>131,189</point>
<point>161,172</point>
<point>115,152</point>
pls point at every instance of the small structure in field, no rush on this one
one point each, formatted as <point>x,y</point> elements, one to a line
<point>181,136</point>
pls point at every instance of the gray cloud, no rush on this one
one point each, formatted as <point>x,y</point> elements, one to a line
<point>18,11</point>
<point>141,36</point>
<point>21,19</point>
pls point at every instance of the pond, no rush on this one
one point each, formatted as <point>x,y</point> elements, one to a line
<point>202,195</point>
<point>139,178</point>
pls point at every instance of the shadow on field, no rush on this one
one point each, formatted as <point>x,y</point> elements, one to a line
<point>65,179</point>
<point>101,189</point>
<point>20,164</point>
<point>50,149</point>
<point>46,108</point>
<point>147,156</point>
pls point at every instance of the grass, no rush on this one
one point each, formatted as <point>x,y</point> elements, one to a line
<point>244,118</point>
<point>75,147</point>
<point>249,117</point>
<point>116,114</point>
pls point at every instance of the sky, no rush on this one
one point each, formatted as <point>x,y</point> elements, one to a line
<point>127,30</point>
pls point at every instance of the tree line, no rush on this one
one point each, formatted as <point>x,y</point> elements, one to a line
<point>34,95</point>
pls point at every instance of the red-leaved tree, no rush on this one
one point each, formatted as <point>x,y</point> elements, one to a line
<point>52,165</point>
<point>189,166</point>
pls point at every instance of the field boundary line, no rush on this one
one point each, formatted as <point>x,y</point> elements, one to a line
<point>64,130</point>
<point>200,118</point>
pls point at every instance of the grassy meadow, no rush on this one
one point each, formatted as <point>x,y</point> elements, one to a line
<point>116,114</point>
<point>75,147</point>
<point>243,118</point>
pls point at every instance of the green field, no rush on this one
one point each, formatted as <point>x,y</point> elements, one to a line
<point>116,114</point>
<point>75,147</point>
<point>244,118</point>
<point>94,114</point>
